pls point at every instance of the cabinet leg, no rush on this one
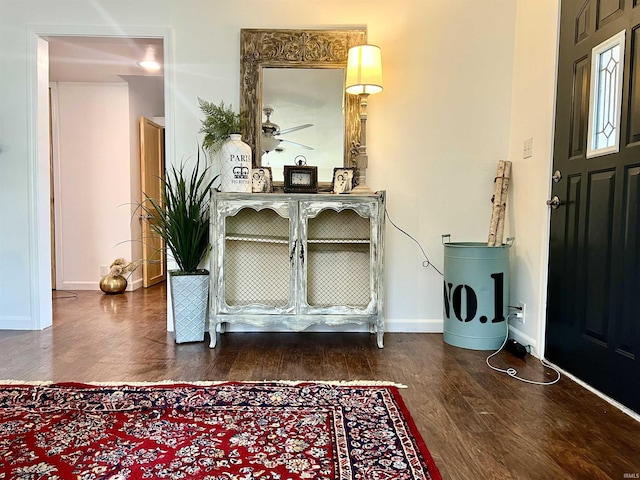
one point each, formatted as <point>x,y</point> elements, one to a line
<point>214,338</point>
<point>213,332</point>
<point>380,338</point>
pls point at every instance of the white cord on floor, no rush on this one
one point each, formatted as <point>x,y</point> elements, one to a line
<point>512,372</point>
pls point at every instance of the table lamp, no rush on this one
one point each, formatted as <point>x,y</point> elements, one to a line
<point>364,78</point>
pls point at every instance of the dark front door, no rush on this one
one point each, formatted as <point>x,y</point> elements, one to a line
<point>593,313</point>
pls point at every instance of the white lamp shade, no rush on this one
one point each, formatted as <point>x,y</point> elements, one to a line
<point>364,70</point>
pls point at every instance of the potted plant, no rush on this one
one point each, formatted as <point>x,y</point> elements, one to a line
<point>181,219</point>
<point>218,124</point>
<point>221,127</point>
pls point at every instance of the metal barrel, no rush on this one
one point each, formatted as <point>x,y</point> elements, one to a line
<point>476,295</point>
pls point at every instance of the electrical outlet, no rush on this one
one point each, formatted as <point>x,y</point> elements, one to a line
<point>521,313</point>
<point>103,270</point>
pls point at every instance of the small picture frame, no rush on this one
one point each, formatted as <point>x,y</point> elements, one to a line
<point>261,180</point>
<point>343,179</point>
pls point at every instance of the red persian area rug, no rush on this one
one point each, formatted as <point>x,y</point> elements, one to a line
<point>226,431</point>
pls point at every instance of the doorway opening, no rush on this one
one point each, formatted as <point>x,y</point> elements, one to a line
<point>97,94</point>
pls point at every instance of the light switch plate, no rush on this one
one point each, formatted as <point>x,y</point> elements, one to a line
<point>527,150</point>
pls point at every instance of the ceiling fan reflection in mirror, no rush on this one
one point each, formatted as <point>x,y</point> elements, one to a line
<point>271,132</point>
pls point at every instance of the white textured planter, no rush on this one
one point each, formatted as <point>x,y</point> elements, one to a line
<point>190,300</point>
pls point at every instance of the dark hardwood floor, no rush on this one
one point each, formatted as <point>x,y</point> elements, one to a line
<point>477,423</point>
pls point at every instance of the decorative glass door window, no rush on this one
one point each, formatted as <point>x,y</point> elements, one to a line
<point>605,100</point>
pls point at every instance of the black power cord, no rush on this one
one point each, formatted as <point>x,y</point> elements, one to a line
<point>427,263</point>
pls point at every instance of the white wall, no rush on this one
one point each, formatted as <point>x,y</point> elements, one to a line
<point>532,116</point>
<point>93,181</point>
<point>435,134</point>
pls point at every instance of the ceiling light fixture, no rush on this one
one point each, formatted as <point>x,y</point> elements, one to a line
<point>150,63</point>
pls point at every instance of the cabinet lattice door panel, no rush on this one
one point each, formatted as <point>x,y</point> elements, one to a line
<point>297,260</point>
<point>257,248</point>
<point>330,270</point>
<point>338,259</point>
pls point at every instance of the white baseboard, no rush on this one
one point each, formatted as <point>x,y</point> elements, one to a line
<point>523,338</point>
<point>78,286</point>
<point>134,285</point>
<point>16,323</point>
<point>415,325</point>
<point>131,285</point>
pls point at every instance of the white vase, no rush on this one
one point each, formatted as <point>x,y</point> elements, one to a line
<point>235,165</point>
<point>190,299</point>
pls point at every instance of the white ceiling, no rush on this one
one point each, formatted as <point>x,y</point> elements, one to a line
<point>99,59</point>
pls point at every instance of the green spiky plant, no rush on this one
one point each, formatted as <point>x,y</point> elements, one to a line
<point>181,216</point>
<point>219,122</point>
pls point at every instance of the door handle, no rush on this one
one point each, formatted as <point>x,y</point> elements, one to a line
<point>146,217</point>
<point>555,202</point>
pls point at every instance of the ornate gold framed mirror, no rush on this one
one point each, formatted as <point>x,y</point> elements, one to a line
<point>299,49</point>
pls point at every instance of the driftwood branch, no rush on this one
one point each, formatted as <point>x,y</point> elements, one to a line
<point>499,200</point>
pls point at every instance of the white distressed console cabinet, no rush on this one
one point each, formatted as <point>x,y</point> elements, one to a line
<point>295,260</point>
